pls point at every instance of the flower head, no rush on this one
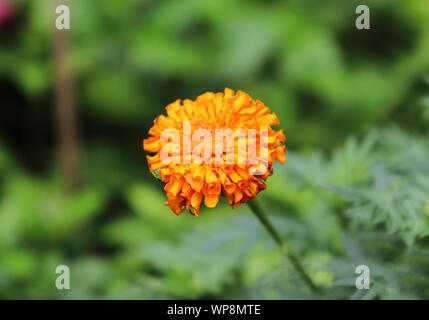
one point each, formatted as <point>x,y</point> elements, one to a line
<point>198,166</point>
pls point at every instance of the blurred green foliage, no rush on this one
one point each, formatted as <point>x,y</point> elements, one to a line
<point>354,189</point>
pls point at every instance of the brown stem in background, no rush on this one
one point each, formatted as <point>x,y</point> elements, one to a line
<point>65,108</point>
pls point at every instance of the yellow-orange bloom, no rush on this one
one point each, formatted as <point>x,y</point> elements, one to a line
<point>188,184</point>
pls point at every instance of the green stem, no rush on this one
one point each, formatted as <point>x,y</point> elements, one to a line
<point>261,215</point>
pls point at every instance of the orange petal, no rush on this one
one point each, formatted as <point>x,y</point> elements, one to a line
<point>238,195</point>
<point>269,120</point>
<point>240,100</point>
<point>211,177</point>
<point>211,200</point>
<point>174,186</point>
<point>281,154</point>
<point>196,199</point>
<point>152,144</point>
<point>228,93</point>
<point>176,204</point>
<point>198,172</point>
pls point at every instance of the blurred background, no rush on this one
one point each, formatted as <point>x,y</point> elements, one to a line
<point>75,189</point>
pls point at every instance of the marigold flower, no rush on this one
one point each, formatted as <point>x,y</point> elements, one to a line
<point>187,183</point>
